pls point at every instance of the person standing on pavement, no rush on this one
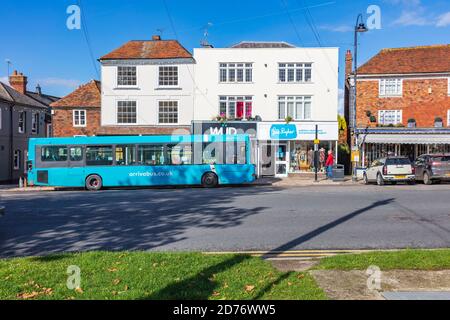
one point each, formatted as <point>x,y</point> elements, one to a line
<point>329,164</point>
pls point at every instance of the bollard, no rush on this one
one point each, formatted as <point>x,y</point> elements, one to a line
<point>20,183</point>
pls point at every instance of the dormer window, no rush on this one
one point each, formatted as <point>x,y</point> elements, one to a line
<point>126,76</point>
<point>391,87</point>
<point>412,123</point>
<point>438,123</point>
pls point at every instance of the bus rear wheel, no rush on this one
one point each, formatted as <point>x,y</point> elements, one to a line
<point>210,180</point>
<point>94,182</point>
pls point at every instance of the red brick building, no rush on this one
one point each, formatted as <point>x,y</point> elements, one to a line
<point>403,102</point>
<point>78,114</point>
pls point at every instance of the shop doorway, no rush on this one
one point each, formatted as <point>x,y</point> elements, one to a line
<point>282,160</point>
<point>267,160</point>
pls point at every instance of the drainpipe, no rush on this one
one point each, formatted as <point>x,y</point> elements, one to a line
<point>11,141</point>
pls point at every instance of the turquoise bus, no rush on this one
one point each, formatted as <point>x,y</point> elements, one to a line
<point>124,161</point>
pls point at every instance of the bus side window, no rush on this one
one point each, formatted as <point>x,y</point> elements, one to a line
<point>241,153</point>
<point>99,156</point>
<point>213,153</point>
<point>180,154</point>
<point>125,155</point>
<point>152,155</point>
<point>53,154</point>
<point>76,154</point>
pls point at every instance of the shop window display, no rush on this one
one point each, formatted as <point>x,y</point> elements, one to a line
<point>302,156</point>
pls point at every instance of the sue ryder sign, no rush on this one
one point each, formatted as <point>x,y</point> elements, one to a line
<point>299,131</point>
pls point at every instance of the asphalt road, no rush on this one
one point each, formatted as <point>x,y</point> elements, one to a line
<point>226,219</point>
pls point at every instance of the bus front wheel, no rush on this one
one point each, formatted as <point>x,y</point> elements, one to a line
<point>210,180</point>
<point>94,183</point>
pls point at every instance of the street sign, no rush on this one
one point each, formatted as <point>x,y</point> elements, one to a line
<point>355,156</point>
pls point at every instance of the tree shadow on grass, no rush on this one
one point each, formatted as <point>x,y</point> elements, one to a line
<point>198,287</point>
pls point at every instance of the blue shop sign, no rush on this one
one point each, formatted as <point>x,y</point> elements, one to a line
<point>283,132</point>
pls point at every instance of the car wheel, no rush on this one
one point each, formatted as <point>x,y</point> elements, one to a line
<point>210,180</point>
<point>94,182</point>
<point>380,180</point>
<point>427,179</point>
<point>365,179</point>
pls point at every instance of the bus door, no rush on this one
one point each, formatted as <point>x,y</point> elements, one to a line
<point>75,168</point>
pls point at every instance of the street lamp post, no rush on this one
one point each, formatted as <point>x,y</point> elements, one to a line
<point>360,27</point>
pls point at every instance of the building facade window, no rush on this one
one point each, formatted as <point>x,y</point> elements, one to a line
<point>168,112</point>
<point>126,76</point>
<point>21,127</point>
<point>236,72</point>
<point>168,76</point>
<point>16,160</point>
<point>390,117</point>
<point>126,112</point>
<point>391,87</point>
<point>35,123</point>
<point>295,107</point>
<point>234,107</point>
<point>79,118</point>
<point>294,72</point>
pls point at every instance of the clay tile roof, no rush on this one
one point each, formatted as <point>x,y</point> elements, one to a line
<point>154,49</point>
<point>87,95</point>
<point>426,59</point>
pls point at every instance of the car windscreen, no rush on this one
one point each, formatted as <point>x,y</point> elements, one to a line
<point>441,159</point>
<point>397,161</point>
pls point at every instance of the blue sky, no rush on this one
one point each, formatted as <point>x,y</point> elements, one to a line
<point>35,37</point>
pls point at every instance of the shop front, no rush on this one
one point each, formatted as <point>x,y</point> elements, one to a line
<point>409,142</point>
<point>230,128</point>
<point>288,148</point>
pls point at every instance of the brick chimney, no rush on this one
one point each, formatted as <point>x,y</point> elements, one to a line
<point>18,81</point>
<point>156,38</point>
<point>348,63</point>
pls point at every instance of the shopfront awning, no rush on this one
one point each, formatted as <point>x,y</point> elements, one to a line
<point>407,138</point>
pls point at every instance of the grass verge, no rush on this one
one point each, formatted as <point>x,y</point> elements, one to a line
<point>388,260</point>
<point>142,275</point>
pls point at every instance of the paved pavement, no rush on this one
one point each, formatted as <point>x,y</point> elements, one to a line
<point>226,219</point>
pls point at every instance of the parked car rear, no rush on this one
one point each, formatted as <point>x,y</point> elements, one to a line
<point>432,168</point>
<point>390,169</point>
